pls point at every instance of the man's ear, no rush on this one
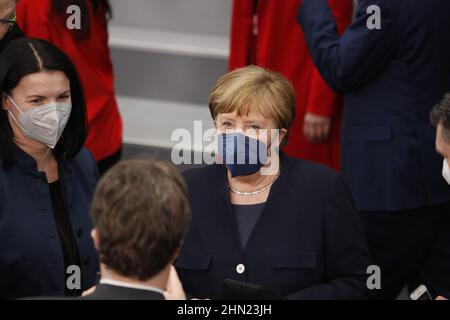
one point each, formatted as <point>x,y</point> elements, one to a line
<point>95,238</point>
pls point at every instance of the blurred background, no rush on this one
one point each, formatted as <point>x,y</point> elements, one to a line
<point>167,56</point>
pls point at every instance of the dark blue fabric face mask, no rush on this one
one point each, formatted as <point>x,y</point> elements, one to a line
<point>241,154</point>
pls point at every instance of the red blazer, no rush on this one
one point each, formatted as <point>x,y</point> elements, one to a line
<point>92,60</point>
<point>280,46</point>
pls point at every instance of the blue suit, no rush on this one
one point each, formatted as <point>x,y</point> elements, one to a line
<point>31,257</point>
<point>391,78</point>
<point>307,244</point>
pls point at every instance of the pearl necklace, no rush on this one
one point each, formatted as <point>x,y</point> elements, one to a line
<point>252,193</point>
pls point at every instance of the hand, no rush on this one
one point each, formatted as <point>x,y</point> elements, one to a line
<point>88,291</point>
<point>316,128</point>
<point>441,298</point>
<point>174,288</point>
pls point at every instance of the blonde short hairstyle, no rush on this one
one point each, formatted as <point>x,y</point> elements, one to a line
<point>268,92</point>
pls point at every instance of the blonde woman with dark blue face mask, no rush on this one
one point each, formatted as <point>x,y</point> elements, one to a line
<point>266,226</point>
<point>47,179</point>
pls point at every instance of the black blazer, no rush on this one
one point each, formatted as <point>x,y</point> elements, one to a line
<point>391,78</point>
<point>110,292</point>
<point>31,258</point>
<point>307,244</point>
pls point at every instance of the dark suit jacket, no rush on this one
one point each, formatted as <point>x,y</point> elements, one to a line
<point>391,78</point>
<point>307,244</point>
<point>31,257</point>
<point>110,292</point>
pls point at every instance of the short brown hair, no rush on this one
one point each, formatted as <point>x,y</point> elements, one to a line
<point>255,87</point>
<point>440,115</point>
<point>141,212</point>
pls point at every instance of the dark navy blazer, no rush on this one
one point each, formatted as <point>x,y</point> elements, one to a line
<point>391,78</point>
<point>307,244</point>
<point>31,257</point>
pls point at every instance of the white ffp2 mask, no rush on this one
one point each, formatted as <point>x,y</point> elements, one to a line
<point>44,124</point>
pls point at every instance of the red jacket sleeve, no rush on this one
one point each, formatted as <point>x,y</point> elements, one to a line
<point>32,18</point>
<point>241,33</point>
<point>322,99</point>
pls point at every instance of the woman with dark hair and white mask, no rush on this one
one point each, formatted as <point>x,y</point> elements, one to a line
<point>47,178</point>
<point>87,47</point>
